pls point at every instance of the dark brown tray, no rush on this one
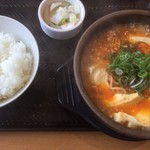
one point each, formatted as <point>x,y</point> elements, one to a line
<point>39,108</point>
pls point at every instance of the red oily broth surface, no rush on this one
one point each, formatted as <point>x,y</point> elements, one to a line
<point>97,53</point>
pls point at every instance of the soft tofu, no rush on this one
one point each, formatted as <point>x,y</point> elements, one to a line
<point>140,120</point>
<point>124,118</point>
<point>144,117</point>
<point>123,98</point>
<point>134,39</point>
<point>98,75</point>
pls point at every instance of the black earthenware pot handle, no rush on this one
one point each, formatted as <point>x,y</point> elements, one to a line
<point>70,98</point>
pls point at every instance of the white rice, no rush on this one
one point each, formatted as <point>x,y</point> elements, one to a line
<point>16,63</point>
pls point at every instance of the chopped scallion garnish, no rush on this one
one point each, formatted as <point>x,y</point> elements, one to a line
<point>131,68</point>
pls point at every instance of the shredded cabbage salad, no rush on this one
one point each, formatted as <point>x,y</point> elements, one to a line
<point>64,15</point>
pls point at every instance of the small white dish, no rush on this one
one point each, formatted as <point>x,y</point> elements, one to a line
<point>55,33</point>
<point>20,33</point>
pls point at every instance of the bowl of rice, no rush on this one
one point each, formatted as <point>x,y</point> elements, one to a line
<point>19,59</point>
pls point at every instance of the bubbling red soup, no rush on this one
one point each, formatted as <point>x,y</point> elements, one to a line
<point>115,70</point>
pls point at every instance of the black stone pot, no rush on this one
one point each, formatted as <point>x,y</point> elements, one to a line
<point>120,17</point>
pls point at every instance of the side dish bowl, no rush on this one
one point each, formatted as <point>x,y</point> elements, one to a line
<point>20,33</point>
<point>56,33</point>
<point>120,17</point>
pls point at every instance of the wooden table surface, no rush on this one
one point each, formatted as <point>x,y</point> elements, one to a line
<point>66,141</point>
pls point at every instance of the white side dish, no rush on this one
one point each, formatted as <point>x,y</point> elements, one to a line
<point>63,15</point>
<point>61,19</point>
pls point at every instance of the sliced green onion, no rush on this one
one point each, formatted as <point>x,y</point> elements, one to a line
<point>118,71</point>
<point>134,83</point>
<point>123,80</point>
<point>142,74</point>
<point>131,68</point>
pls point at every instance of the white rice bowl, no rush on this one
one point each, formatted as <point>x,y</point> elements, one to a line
<point>19,59</point>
